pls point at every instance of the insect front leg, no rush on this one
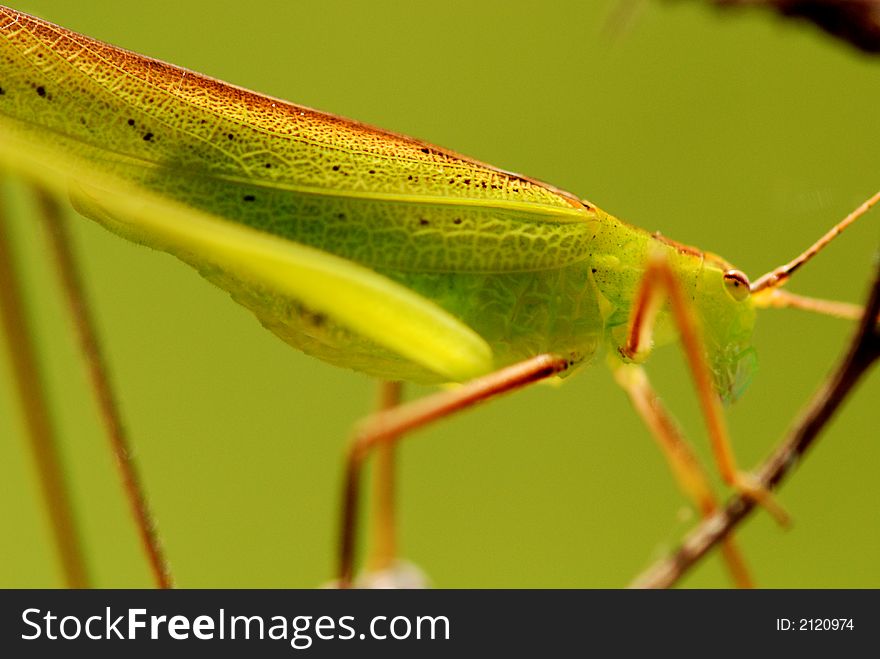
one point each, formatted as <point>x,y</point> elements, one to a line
<point>681,459</point>
<point>658,285</point>
<point>389,426</point>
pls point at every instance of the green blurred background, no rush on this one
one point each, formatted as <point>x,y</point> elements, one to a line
<point>738,132</point>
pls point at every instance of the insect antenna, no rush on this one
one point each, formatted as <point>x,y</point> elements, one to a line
<point>779,276</point>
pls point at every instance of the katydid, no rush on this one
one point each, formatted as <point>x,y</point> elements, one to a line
<point>380,253</point>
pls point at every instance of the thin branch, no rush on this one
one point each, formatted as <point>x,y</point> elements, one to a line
<point>864,351</point>
<point>854,21</point>
<point>33,399</point>
<point>77,302</point>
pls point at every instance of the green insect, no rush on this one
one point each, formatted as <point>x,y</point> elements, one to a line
<point>380,253</point>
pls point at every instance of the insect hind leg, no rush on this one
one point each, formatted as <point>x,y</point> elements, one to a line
<point>33,399</point>
<point>85,327</point>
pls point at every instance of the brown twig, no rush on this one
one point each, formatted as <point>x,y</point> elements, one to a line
<point>864,351</point>
<point>854,21</point>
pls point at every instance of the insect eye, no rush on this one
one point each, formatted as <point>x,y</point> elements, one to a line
<point>737,285</point>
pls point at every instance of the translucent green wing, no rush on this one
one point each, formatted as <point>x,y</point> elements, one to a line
<point>263,269</point>
<point>251,264</point>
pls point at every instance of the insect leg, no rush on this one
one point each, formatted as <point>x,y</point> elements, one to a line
<point>681,459</point>
<point>33,399</point>
<point>390,426</point>
<point>659,284</point>
<point>383,537</point>
<point>60,245</point>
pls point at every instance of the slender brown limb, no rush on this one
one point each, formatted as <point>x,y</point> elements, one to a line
<point>682,461</point>
<point>863,352</point>
<point>645,310</point>
<point>33,399</point>
<point>383,534</point>
<point>395,423</point>
<point>659,283</point>
<point>77,301</point>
